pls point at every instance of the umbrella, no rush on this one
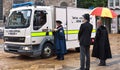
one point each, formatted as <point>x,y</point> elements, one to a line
<point>103,12</point>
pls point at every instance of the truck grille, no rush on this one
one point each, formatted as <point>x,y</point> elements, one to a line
<point>13,47</point>
<point>14,39</point>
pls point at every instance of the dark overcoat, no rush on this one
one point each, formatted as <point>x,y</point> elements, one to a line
<point>84,35</point>
<point>59,40</point>
<point>101,48</point>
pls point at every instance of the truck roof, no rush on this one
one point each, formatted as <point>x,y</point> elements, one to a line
<point>30,7</point>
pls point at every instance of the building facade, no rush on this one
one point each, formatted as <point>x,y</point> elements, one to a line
<point>1,10</point>
<point>6,5</point>
<point>115,24</point>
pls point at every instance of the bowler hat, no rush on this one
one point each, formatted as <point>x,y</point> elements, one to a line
<point>87,17</point>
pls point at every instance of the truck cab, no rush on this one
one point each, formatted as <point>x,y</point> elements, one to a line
<point>26,31</point>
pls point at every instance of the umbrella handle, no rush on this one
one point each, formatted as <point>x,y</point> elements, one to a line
<point>104,21</point>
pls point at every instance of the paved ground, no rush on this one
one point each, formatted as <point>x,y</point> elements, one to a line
<point>71,62</point>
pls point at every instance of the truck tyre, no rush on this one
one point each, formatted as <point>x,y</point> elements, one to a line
<point>77,49</point>
<point>47,50</point>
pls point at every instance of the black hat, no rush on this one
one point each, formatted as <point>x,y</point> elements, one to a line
<point>87,17</point>
<point>58,21</point>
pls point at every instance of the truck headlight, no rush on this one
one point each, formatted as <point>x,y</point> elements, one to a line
<point>5,46</point>
<point>27,48</point>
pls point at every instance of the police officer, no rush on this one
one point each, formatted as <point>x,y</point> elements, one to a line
<point>59,40</point>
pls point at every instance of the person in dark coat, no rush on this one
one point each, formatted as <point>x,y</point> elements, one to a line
<point>84,37</point>
<point>101,48</point>
<point>59,40</point>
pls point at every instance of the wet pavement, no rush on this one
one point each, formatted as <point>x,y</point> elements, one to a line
<point>71,62</point>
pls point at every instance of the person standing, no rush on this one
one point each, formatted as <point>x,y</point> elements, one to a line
<point>59,41</point>
<point>101,48</point>
<point>84,37</point>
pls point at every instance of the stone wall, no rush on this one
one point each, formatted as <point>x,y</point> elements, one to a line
<point>7,4</point>
<point>70,3</point>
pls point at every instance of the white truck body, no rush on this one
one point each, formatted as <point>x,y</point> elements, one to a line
<point>31,42</point>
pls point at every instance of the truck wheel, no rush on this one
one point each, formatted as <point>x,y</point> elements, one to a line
<point>47,50</point>
<point>77,49</point>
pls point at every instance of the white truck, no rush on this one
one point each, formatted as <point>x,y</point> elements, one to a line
<point>27,31</point>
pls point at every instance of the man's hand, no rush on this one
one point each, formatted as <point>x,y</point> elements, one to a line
<point>55,29</point>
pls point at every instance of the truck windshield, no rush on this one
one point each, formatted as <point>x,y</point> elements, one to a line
<point>19,19</point>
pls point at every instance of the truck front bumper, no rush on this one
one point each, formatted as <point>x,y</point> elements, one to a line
<point>18,49</point>
<point>21,52</point>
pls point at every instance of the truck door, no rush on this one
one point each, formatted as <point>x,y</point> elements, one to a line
<point>39,25</point>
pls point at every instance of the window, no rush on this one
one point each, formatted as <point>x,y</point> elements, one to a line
<point>19,19</point>
<point>118,24</point>
<point>111,3</point>
<point>39,19</point>
<point>116,2</point>
<point>1,9</point>
<point>40,2</point>
<point>64,4</point>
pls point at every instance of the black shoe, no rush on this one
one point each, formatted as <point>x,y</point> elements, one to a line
<point>101,64</point>
<point>57,58</point>
<point>61,59</point>
<point>82,69</point>
<point>87,69</point>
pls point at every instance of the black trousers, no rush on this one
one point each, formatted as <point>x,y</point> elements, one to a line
<point>84,57</point>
